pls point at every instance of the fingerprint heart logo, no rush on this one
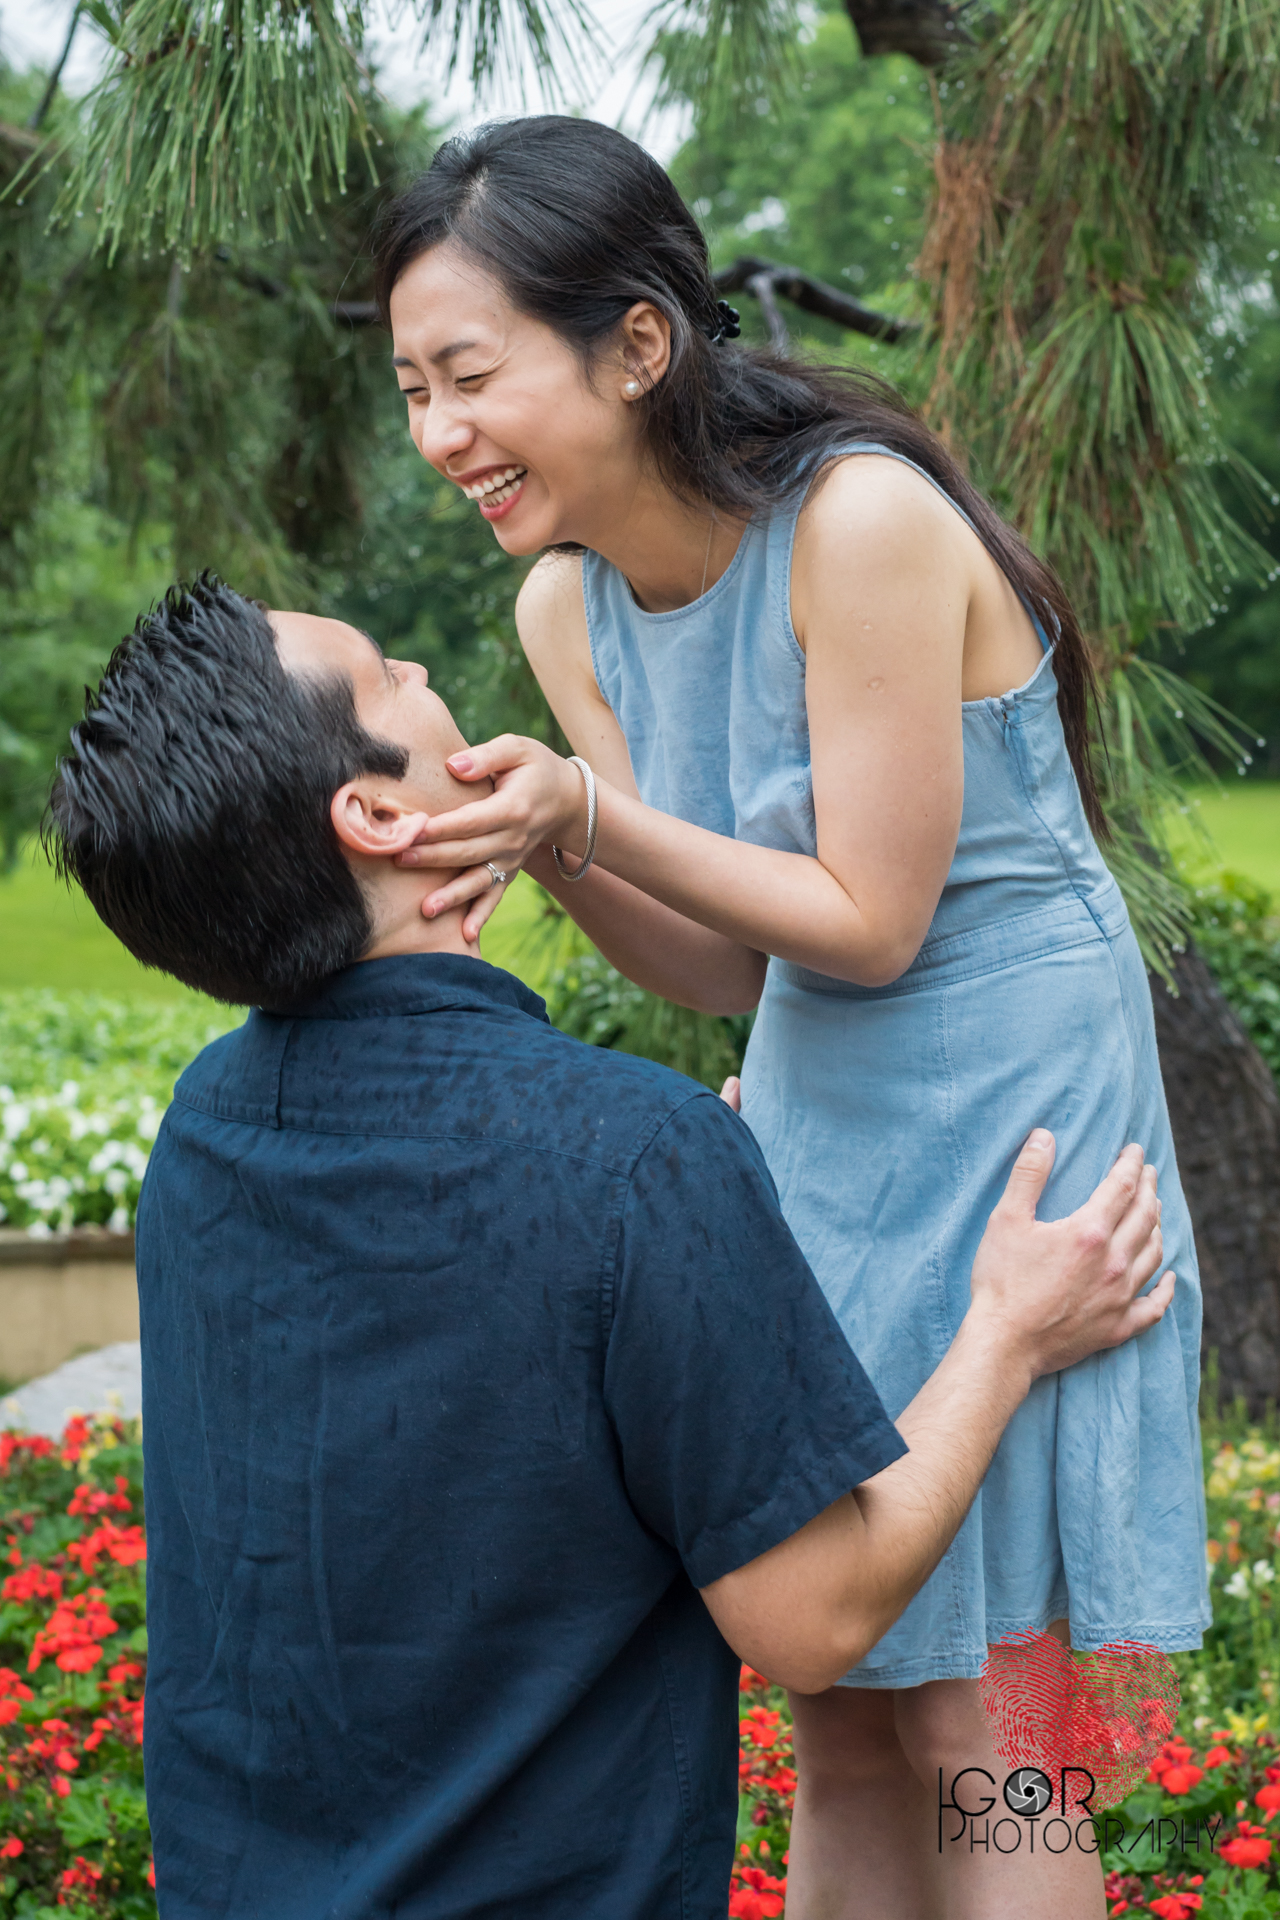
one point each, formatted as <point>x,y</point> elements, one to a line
<point>1107,1712</point>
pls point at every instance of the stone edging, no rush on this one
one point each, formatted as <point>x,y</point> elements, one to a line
<point>19,1249</point>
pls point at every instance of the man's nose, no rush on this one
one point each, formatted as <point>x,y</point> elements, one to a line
<point>410,670</point>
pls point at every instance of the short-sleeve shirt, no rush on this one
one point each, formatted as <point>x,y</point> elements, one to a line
<point>469,1354</point>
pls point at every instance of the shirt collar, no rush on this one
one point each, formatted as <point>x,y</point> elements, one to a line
<point>415,983</point>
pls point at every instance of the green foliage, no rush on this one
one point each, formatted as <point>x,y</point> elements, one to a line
<point>1094,180</point>
<point>204,103</point>
<point>1237,929</point>
<point>837,185</point>
<point>1238,1672</point>
<point>160,418</point>
<point>1235,656</point>
<point>593,1001</point>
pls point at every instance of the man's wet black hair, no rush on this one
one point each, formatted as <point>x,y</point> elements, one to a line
<point>194,806</point>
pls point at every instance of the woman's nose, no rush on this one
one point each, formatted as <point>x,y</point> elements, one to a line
<point>445,434</point>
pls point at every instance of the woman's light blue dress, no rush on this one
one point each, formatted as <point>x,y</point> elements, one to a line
<point>891,1116</point>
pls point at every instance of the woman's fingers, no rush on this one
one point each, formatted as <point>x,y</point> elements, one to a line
<point>491,756</point>
<point>479,817</point>
<point>466,886</point>
<point>481,912</point>
<point>499,848</point>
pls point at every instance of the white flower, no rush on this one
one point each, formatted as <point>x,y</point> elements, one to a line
<point>116,1181</point>
<point>39,1230</point>
<point>106,1156</point>
<point>1263,1572</point>
<point>68,1093</point>
<point>119,1221</point>
<point>1238,1585</point>
<point>18,1170</point>
<point>17,1118</point>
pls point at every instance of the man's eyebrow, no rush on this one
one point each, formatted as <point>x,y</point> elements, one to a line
<point>378,650</point>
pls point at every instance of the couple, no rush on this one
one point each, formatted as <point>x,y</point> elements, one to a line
<point>473,1357</point>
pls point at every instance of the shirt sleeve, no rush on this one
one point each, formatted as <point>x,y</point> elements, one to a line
<point>741,1410</point>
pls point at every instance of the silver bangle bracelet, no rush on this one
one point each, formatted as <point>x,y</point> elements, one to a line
<point>590,853</point>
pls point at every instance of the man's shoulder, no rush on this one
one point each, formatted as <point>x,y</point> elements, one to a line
<point>424,1075</point>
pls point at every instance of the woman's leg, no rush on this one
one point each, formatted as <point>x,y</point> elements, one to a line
<point>943,1725</point>
<point>864,1836</point>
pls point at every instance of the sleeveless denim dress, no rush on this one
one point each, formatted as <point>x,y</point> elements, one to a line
<point>890,1117</point>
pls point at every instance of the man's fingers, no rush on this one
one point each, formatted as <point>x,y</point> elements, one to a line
<point>1030,1171</point>
<point>1147,1260</point>
<point>1142,1215</point>
<point>1147,1309</point>
<point>731,1093</point>
<point>1109,1202</point>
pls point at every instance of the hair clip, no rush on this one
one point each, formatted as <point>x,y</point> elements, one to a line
<point>727,323</point>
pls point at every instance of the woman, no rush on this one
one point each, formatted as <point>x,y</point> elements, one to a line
<point>841,771</point>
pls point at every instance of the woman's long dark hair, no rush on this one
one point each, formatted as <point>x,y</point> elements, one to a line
<point>577,223</point>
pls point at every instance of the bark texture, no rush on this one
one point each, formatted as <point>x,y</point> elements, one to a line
<point>1226,1125</point>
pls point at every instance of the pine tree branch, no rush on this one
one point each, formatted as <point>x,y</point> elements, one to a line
<point>354,313</point>
<point>928,31</point>
<point>37,118</point>
<point>750,274</point>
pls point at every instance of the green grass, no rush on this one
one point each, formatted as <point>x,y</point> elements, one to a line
<point>1242,822</point>
<point>51,937</point>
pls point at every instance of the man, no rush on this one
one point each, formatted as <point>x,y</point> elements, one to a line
<point>491,1411</point>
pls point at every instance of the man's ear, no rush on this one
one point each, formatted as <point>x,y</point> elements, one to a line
<point>371,821</point>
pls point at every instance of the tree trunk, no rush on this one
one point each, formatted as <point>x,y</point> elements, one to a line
<point>1226,1125</point>
<point>927,30</point>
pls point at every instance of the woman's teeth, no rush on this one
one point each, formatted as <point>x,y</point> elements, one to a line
<point>496,487</point>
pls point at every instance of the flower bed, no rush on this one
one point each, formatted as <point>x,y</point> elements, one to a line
<point>73,1821</point>
<point>86,1081</point>
<point>73,1831</point>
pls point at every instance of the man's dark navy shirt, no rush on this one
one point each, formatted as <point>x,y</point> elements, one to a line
<point>469,1354</point>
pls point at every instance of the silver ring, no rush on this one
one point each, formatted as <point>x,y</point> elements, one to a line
<point>499,877</point>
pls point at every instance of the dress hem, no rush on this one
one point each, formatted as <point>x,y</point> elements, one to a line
<point>967,1663</point>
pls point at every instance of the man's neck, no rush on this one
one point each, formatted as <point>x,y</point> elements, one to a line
<point>404,930</point>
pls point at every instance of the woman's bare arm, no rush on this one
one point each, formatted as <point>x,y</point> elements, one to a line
<point>648,942</point>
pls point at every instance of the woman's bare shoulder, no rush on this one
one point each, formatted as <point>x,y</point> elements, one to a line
<point>868,495</point>
<point>550,613</point>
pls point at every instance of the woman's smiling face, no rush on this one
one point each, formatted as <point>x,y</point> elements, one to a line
<point>501,405</point>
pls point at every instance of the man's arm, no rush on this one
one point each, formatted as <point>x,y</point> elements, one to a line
<point>1044,1296</point>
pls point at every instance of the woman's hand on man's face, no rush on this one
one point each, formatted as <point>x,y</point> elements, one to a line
<point>537,798</point>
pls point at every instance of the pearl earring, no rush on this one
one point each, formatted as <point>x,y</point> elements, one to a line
<point>632,386</point>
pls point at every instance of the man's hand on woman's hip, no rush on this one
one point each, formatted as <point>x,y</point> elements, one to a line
<point>1044,1295</point>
